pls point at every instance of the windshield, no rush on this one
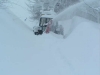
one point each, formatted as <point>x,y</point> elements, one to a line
<point>44,21</point>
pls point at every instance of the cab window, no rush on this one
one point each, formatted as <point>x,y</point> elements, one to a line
<point>44,20</point>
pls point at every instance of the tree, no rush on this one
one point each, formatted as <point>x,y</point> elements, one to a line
<point>34,9</point>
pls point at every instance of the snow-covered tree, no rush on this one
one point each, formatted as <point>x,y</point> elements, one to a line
<point>34,8</point>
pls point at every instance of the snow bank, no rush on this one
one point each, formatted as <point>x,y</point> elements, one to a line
<point>20,9</point>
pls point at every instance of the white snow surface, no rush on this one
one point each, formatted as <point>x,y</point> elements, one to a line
<point>72,11</point>
<point>20,9</point>
<point>23,53</point>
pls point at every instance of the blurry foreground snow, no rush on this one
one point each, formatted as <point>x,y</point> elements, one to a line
<point>23,53</point>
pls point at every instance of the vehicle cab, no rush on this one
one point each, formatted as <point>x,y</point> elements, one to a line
<point>46,16</point>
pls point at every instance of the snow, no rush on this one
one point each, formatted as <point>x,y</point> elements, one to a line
<point>49,14</point>
<point>83,9</point>
<point>23,53</point>
<point>20,9</point>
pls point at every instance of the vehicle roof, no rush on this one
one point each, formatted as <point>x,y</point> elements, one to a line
<point>48,14</point>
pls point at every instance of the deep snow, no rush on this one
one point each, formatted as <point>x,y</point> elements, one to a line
<point>23,53</point>
<point>20,9</point>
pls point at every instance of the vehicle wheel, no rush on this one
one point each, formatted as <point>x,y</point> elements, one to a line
<point>40,32</point>
<point>36,33</point>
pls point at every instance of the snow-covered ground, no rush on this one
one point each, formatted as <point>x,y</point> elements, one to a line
<point>20,9</point>
<point>23,53</point>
